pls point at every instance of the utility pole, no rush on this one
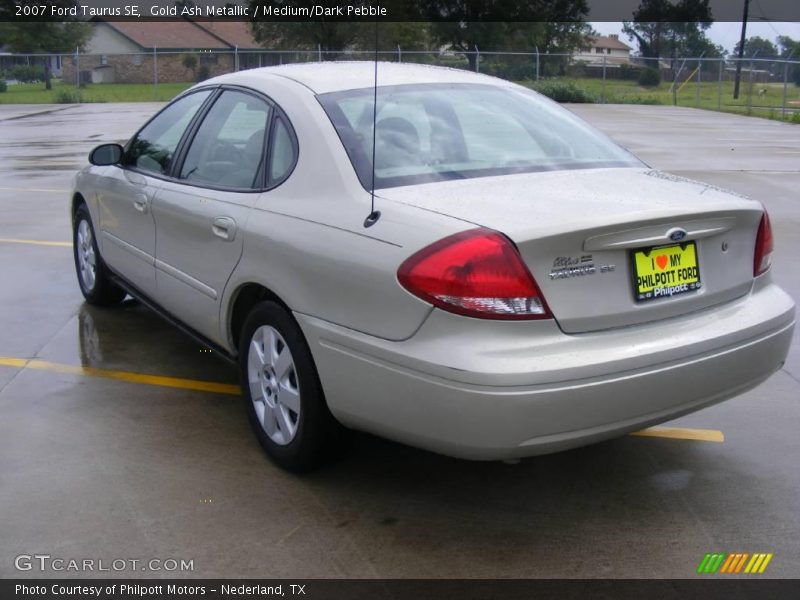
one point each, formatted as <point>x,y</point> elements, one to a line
<point>741,51</point>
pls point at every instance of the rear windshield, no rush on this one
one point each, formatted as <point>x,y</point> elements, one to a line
<point>436,132</point>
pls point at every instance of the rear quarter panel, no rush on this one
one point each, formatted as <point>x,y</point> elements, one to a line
<point>335,272</point>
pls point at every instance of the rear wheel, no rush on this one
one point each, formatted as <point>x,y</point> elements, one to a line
<point>93,275</point>
<point>282,393</point>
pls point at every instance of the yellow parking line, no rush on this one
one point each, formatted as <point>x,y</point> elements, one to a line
<point>140,378</point>
<point>46,190</point>
<point>683,433</point>
<point>35,242</point>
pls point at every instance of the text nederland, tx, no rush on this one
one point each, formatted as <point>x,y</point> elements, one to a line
<point>136,590</point>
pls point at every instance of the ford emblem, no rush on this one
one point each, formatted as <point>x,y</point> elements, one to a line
<point>677,235</point>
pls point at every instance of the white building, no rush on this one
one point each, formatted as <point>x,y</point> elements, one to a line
<point>606,48</point>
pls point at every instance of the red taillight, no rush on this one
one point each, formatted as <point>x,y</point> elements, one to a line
<point>764,246</point>
<point>478,273</point>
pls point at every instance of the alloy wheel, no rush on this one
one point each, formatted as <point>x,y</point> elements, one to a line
<point>274,389</point>
<point>87,260</point>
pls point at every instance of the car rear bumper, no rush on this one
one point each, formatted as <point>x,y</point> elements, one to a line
<point>495,390</point>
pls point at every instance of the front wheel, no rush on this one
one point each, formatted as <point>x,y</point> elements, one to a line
<point>282,393</point>
<point>93,275</point>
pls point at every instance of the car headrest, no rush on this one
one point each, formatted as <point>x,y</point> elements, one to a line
<point>396,143</point>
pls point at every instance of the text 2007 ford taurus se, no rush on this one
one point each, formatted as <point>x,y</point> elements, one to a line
<point>528,286</point>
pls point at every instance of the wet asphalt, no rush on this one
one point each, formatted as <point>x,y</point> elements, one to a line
<point>100,468</point>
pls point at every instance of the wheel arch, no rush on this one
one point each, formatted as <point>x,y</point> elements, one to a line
<point>77,201</point>
<point>246,296</point>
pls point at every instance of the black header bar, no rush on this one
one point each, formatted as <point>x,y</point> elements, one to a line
<point>372,10</point>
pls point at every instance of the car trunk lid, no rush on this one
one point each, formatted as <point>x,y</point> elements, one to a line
<point>578,232</point>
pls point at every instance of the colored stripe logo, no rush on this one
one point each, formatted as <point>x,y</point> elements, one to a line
<point>734,563</point>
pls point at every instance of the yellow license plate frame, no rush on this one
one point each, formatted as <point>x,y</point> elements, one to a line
<point>665,271</point>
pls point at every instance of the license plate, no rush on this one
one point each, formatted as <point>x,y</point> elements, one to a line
<point>665,271</point>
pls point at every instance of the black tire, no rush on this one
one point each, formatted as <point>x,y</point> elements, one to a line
<point>99,291</point>
<point>318,437</point>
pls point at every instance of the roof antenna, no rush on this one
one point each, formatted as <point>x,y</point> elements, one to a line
<point>374,215</point>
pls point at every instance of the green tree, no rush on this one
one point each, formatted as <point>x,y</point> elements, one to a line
<point>666,29</point>
<point>763,47</point>
<point>460,25</point>
<point>42,36</point>
<point>464,25</point>
<point>332,36</point>
<point>790,48</point>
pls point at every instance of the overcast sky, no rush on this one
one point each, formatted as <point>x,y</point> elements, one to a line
<point>725,34</point>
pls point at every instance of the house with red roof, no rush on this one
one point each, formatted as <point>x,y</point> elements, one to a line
<point>141,51</point>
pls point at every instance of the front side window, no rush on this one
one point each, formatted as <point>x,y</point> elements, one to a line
<point>436,132</point>
<point>153,147</point>
<point>229,145</point>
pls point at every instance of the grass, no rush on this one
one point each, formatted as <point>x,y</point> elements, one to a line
<point>34,93</point>
<point>630,92</point>
<point>614,92</point>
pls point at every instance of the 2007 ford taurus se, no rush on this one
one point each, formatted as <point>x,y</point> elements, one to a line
<point>523,285</point>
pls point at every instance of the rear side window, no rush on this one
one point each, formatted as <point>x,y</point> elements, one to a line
<point>282,156</point>
<point>153,147</point>
<point>228,148</point>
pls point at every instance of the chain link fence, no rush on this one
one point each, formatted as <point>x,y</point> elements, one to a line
<point>768,87</point>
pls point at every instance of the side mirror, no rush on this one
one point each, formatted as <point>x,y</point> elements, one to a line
<point>105,155</point>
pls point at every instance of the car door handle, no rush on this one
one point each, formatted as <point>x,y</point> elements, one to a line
<point>224,228</point>
<point>141,203</point>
